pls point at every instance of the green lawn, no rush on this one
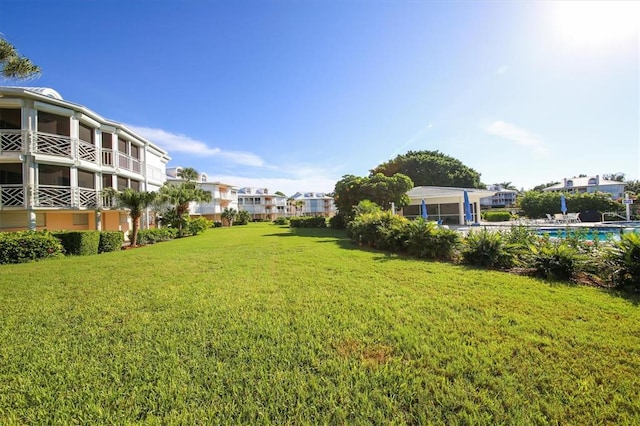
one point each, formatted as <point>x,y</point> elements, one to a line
<point>262,325</point>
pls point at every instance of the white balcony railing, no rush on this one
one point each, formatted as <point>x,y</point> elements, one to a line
<point>86,151</point>
<point>127,162</point>
<point>107,157</point>
<point>12,195</point>
<point>11,141</point>
<point>65,196</point>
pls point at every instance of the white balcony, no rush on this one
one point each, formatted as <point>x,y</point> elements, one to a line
<point>12,141</point>
<point>65,197</point>
<point>11,195</point>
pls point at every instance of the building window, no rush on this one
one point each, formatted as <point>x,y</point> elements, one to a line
<point>107,140</point>
<point>569,183</point>
<point>80,219</point>
<point>86,133</point>
<point>10,119</point>
<point>107,181</point>
<point>11,173</point>
<point>135,151</point>
<point>53,175</point>
<point>135,185</point>
<point>86,179</point>
<point>54,124</point>
<point>122,146</point>
<point>122,183</point>
<point>593,181</point>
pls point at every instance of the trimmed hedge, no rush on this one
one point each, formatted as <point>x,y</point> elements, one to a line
<point>308,222</point>
<point>80,243</point>
<point>154,235</point>
<point>27,246</point>
<point>497,216</point>
<point>110,241</point>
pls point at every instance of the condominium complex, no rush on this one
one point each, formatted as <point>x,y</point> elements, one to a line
<point>261,204</point>
<point>312,204</point>
<point>56,157</point>
<point>223,196</point>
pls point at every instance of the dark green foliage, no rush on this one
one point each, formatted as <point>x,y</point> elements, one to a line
<point>217,224</point>
<point>27,246</point>
<point>431,168</point>
<point>155,235</point>
<point>308,222</point>
<point>242,218</point>
<point>281,221</point>
<point>487,249</point>
<point>337,222</point>
<point>110,241</point>
<point>198,225</point>
<point>79,243</point>
<point>556,260</point>
<point>426,240</point>
<point>13,65</point>
<point>624,258</point>
<point>369,228</point>
<point>500,216</point>
<point>377,188</point>
<point>535,204</point>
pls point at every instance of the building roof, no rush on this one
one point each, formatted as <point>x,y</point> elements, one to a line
<point>442,191</point>
<point>302,195</point>
<point>583,182</point>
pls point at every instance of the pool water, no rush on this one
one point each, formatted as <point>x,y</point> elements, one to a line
<point>600,233</point>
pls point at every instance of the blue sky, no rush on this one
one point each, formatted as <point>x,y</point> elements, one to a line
<point>292,95</point>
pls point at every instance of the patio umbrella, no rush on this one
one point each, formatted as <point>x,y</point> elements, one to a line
<point>423,210</point>
<point>563,204</point>
<point>467,208</point>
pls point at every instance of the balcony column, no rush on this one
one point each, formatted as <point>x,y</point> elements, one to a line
<point>74,134</point>
<point>73,177</point>
<point>29,187</point>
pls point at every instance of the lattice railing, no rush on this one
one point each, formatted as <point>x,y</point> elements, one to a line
<point>11,141</point>
<point>52,196</point>
<point>86,197</point>
<point>57,145</point>
<point>12,195</point>
<point>87,151</point>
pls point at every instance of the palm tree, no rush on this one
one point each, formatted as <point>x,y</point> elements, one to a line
<point>299,206</point>
<point>230,215</point>
<point>14,66</point>
<point>179,195</point>
<point>189,174</point>
<point>136,202</point>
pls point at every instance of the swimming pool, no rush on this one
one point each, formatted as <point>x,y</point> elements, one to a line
<point>605,231</point>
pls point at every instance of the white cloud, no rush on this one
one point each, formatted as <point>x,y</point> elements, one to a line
<point>518,135</point>
<point>173,142</point>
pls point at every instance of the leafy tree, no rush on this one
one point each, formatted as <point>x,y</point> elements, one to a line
<point>179,195</point>
<point>536,204</point>
<point>380,189</point>
<point>280,193</point>
<point>632,187</point>
<point>507,185</point>
<point>299,207</point>
<point>136,202</point>
<point>617,177</point>
<point>542,186</point>
<point>230,214</point>
<point>13,65</point>
<point>243,218</point>
<point>431,168</point>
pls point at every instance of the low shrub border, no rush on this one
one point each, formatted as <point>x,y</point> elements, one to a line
<point>79,243</point>
<point>27,246</point>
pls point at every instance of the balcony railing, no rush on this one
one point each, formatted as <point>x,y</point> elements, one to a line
<point>127,162</point>
<point>87,151</point>
<point>58,145</point>
<point>107,157</point>
<point>65,196</point>
<point>12,195</point>
<point>11,141</point>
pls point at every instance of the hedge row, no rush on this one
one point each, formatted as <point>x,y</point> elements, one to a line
<point>308,222</point>
<point>27,246</point>
<point>155,235</point>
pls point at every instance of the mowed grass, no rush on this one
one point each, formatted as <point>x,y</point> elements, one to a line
<point>263,325</point>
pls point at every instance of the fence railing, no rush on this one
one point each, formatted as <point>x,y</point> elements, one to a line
<point>12,195</point>
<point>64,196</point>
<point>11,140</point>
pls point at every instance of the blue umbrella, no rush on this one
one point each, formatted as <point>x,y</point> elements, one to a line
<point>467,207</point>
<point>423,210</point>
<point>563,204</point>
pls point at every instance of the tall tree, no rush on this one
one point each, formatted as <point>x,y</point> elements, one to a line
<point>178,195</point>
<point>136,202</point>
<point>380,189</point>
<point>15,66</point>
<point>618,177</point>
<point>431,168</point>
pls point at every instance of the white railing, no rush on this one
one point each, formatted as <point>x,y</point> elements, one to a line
<point>86,151</point>
<point>52,196</point>
<point>11,140</point>
<point>127,162</point>
<point>12,195</point>
<point>108,202</point>
<point>57,145</point>
<point>86,197</point>
<point>107,157</point>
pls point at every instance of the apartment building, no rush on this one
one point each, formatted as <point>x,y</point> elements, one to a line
<point>261,204</point>
<point>312,204</point>
<point>56,157</point>
<point>502,197</point>
<point>223,196</point>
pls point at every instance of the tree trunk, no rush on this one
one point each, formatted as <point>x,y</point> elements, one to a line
<point>134,230</point>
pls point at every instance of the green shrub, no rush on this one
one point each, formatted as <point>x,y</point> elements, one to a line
<point>426,240</point>
<point>110,241</point>
<point>79,243</point>
<point>337,222</point>
<point>243,218</point>
<point>198,225</point>
<point>367,228</point>
<point>217,224</point>
<point>497,216</point>
<point>308,222</point>
<point>154,235</point>
<point>27,246</point>
<point>555,260</point>
<point>624,258</point>
<point>281,221</point>
<point>487,249</point>
<point>393,235</point>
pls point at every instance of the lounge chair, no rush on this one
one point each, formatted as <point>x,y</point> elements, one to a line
<point>550,218</point>
<point>573,217</point>
<point>559,218</point>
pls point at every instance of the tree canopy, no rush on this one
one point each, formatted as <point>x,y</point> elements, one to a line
<point>13,65</point>
<point>179,195</point>
<point>136,202</point>
<point>378,188</point>
<point>536,204</point>
<point>431,168</point>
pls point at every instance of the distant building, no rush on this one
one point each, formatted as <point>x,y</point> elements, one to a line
<point>445,204</point>
<point>589,184</point>
<point>502,197</point>
<point>312,204</point>
<point>223,196</point>
<point>261,204</point>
